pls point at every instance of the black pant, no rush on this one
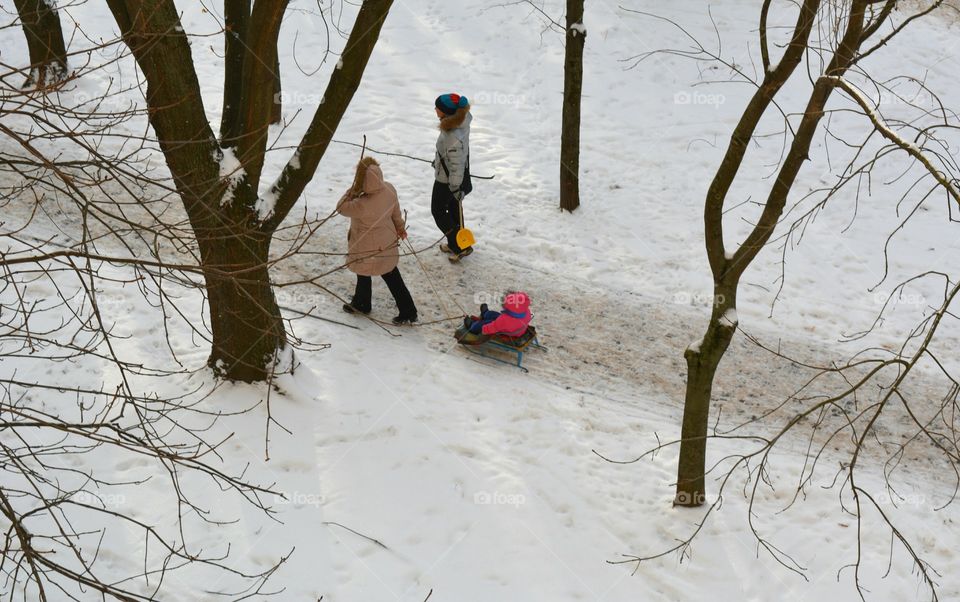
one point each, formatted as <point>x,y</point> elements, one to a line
<point>363,292</point>
<point>446,212</point>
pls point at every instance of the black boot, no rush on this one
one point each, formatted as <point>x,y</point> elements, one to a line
<point>353,308</point>
<point>360,302</point>
<point>405,306</point>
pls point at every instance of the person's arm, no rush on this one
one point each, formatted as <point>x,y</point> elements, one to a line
<point>397,217</point>
<point>455,162</point>
<point>349,205</point>
<point>491,327</point>
<point>495,326</point>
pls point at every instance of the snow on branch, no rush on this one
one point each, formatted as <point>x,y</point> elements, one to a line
<point>881,125</point>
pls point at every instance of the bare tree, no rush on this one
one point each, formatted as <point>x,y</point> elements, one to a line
<point>727,268</point>
<point>233,222</point>
<point>48,52</point>
<point>575,36</point>
<point>864,422</point>
<point>572,90</point>
<point>94,229</point>
<point>61,506</point>
<point>842,433</point>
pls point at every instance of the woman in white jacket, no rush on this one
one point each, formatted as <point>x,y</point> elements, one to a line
<point>452,170</point>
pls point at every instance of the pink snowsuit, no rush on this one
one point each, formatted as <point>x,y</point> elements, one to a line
<point>514,318</point>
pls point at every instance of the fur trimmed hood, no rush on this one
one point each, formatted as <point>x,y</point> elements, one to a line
<point>368,178</point>
<point>375,221</point>
<point>456,120</point>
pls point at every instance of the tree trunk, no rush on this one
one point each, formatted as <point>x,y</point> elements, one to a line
<point>48,53</point>
<point>276,115</point>
<point>245,320</point>
<point>572,89</point>
<point>236,16</point>
<point>702,362</point>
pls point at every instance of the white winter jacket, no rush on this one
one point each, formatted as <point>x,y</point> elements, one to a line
<point>453,150</point>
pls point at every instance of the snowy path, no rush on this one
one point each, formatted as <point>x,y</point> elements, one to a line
<point>615,344</point>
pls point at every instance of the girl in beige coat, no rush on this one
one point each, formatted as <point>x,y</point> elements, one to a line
<point>376,228</point>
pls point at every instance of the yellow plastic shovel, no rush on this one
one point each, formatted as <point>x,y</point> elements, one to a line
<point>465,238</point>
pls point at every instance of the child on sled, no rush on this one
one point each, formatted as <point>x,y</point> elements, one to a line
<point>511,321</point>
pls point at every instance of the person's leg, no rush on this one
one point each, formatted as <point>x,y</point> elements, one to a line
<point>362,294</point>
<point>456,224</point>
<point>440,208</point>
<point>485,318</point>
<point>489,316</point>
<point>405,304</point>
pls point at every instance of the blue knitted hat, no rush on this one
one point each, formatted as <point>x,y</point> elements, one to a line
<point>449,103</point>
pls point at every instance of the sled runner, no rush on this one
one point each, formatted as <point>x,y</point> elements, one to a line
<point>482,345</point>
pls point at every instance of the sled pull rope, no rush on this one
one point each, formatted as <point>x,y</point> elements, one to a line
<point>432,281</point>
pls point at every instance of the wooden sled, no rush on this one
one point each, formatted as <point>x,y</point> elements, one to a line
<point>483,345</point>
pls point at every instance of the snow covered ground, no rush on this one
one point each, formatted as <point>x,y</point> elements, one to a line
<point>481,483</point>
